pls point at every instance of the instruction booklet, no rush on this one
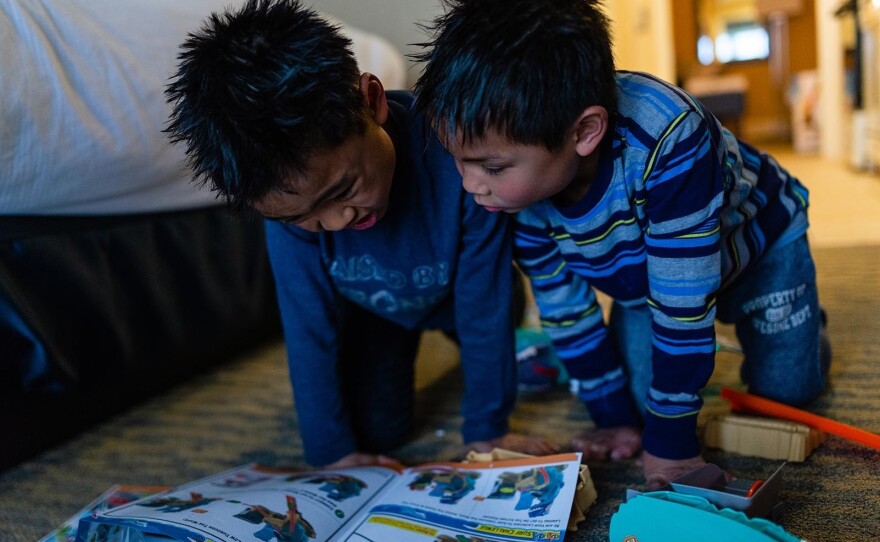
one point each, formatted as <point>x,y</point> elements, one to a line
<point>529,498</point>
<point>117,495</point>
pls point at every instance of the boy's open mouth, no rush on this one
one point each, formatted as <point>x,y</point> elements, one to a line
<point>366,222</point>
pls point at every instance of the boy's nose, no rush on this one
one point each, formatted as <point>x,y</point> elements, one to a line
<point>336,218</point>
<point>472,185</point>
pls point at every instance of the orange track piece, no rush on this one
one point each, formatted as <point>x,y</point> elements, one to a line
<point>752,403</point>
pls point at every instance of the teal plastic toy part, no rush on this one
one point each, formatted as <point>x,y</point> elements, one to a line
<point>539,367</point>
<point>663,516</point>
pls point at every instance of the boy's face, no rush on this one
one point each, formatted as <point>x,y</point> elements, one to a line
<point>343,188</point>
<point>507,176</point>
<point>504,175</point>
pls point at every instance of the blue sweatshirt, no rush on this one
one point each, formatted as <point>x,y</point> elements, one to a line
<point>678,210</point>
<point>435,261</point>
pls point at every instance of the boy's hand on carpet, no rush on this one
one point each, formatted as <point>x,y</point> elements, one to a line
<point>659,471</point>
<point>614,443</point>
<point>360,459</point>
<point>516,442</point>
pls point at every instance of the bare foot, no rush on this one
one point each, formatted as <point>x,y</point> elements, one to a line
<point>609,443</point>
<point>659,472</point>
<point>516,442</point>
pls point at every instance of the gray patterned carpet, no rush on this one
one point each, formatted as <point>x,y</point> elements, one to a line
<point>243,412</point>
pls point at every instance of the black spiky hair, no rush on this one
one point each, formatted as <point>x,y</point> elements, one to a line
<point>525,69</point>
<point>257,92</point>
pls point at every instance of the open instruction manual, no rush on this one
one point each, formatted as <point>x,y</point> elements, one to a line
<point>508,500</point>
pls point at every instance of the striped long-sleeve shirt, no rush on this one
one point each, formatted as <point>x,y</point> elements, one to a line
<point>679,209</point>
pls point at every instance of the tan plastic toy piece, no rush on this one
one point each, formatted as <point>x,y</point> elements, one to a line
<point>762,437</point>
<point>584,494</point>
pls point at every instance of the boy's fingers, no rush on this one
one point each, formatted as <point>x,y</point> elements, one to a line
<point>543,447</point>
<point>623,452</point>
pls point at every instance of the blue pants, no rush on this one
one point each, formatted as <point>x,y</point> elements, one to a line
<point>377,366</point>
<point>776,313</point>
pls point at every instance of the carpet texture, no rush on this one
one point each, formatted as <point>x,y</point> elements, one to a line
<point>243,412</point>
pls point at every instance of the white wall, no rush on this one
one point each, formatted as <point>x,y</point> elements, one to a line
<point>642,28</point>
<point>395,20</point>
<point>833,115</point>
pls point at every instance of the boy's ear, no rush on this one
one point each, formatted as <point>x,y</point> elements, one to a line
<point>589,129</point>
<point>374,97</point>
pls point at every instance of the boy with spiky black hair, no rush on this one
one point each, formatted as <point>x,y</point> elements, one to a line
<point>370,235</point>
<point>625,183</point>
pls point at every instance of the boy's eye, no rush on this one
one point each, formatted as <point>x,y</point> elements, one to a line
<point>490,170</point>
<point>290,221</point>
<point>346,194</point>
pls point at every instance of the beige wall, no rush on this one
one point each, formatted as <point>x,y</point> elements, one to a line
<point>642,31</point>
<point>767,116</point>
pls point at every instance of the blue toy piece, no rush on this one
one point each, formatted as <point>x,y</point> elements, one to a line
<point>339,487</point>
<point>449,485</point>
<point>538,488</point>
